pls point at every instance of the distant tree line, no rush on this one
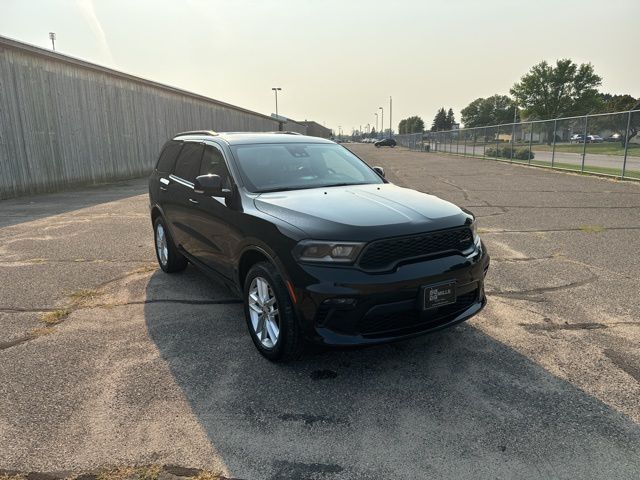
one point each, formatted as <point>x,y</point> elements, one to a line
<point>545,92</point>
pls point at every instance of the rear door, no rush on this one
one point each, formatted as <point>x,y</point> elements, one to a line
<point>179,204</point>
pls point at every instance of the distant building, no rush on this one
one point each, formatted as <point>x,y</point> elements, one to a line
<point>289,125</point>
<point>316,130</point>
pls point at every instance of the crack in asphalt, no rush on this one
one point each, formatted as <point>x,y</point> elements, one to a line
<point>537,207</point>
<point>551,230</point>
<point>526,294</point>
<point>26,338</point>
<point>522,259</point>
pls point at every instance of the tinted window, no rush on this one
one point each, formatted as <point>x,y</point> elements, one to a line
<point>168,156</point>
<point>292,166</point>
<point>188,164</point>
<point>213,162</point>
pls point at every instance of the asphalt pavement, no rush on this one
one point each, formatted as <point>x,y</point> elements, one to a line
<point>107,361</point>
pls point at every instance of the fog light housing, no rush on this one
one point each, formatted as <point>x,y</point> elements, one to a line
<point>340,302</point>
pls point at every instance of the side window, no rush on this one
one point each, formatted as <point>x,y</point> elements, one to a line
<point>213,163</point>
<point>168,156</point>
<point>188,162</point>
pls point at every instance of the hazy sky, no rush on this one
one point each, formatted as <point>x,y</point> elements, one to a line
<point>338,61</point>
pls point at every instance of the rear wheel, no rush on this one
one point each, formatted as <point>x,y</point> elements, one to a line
<point>169,258</point>
<point>269,313</point>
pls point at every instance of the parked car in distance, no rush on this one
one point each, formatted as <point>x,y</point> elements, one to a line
<point>616,137</point>
<point>594,139</point>
<point>577,138</point>
<point>386,142</point>
<point>320,246</point>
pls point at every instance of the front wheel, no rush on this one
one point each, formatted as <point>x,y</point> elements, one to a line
<point>269,313</point>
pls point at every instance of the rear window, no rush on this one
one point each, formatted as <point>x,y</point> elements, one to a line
<point>188,164</point>
<point>168,156</point>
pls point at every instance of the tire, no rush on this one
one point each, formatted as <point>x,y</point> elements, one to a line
<point>286,343</point>
<point>169,258</point>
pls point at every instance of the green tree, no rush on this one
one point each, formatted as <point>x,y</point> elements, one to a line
<point>413,124</point>
<point>439,121</point>
<point>373,132</point>
<point>562,90</point>
<point>450,120</point>
<point>493,110</point>
<point>617,103</point>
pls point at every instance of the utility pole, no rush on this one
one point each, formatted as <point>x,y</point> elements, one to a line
<point>52,37</point>
<point>276,90</point>
<point>390,116</point>
<point>382,121</point>
<point>376,114</point>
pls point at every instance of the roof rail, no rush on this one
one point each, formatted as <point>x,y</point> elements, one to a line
<point>197,132</point>
<point>288,132</point>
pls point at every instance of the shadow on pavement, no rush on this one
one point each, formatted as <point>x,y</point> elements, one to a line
<point>25,209</point>
<point>455,404</point>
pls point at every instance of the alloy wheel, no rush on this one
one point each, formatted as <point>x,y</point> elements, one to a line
<point>263,310</point>
<point>161,244</point>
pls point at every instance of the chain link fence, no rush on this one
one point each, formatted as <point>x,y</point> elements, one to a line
<point>606,144</point>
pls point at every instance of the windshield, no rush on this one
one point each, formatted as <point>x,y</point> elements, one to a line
<point>295,166</point>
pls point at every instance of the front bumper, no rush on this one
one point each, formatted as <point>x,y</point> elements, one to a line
<point>346,306</point>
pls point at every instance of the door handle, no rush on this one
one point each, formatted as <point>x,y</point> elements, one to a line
<point>194,201</point>
<point>164,189</point>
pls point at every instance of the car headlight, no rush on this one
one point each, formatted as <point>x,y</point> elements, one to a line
<point>327,252</point>
<point>474,231</point>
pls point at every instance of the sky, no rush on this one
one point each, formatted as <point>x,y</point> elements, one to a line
<point>338,61</point>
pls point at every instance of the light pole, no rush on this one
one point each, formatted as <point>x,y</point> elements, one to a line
<point>390,116</point>
<point>276,89</point>
<point>52,37</point>
<point>376,114</point>
<point>382,121</point>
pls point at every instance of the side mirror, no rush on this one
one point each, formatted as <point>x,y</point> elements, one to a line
<point>210,185</point>
<point>379,171</point>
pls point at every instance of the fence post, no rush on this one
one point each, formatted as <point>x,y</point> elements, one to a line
<point>584,139</point>
<point>464,151</point>
<point>553,149</point>
<point>484,143</point>
<point>626,144</point>
<point>513,137</point>
<point>474,142</point>
<point>458,142</point>
<point>497,141</point>
<point>530,143</point>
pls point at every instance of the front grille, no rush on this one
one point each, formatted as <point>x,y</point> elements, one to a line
<point>384,254</point>
<point>399,322</point>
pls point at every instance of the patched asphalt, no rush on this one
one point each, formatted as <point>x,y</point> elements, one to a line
<point>146,368</point>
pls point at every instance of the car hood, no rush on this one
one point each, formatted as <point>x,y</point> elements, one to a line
<point>361,212</point>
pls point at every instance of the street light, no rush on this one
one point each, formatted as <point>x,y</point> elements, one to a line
<point>376,114</point>
<point>276,89</point>
<point>52,37</point>
<point>382,120</point>
<point>390,117</point>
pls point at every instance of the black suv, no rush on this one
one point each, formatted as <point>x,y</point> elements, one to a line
<point>319,245</point>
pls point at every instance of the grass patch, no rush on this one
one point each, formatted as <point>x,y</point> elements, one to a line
<point>40,332</point>
<point>152,267</point>
<point>606,148</point>
<point>616,172</point>
<point>148,472</point>
<point>56,316</point>
<point>82,297</point>
<point>592,228</point>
